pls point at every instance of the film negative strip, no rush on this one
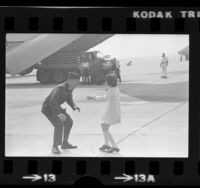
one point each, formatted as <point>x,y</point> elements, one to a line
<point>106,96</point>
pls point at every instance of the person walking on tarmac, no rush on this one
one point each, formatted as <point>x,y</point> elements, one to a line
<point>163,65</point>
<point>58,116</point>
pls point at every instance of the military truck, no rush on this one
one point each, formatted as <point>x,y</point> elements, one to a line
<point>55,68</point>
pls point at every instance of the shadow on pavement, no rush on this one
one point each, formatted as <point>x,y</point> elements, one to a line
<point>172,92</point>
<point>37,85</point>
<point>34,85</point>
<point>9,77</point>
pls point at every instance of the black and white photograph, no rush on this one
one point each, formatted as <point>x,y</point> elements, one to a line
<point>97,95</point>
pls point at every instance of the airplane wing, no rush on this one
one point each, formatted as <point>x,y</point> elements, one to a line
<point>45,46</point>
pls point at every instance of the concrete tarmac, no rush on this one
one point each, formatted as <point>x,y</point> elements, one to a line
<point>154,114</point>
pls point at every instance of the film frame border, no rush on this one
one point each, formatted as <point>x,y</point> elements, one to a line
<point>111,20</point>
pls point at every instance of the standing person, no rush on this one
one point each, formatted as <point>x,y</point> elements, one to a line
<point>100,73</point>
<point>58,116</point>
<point>181,58</point>
<point>92,72</point>
<point>116,68</point>
<point>112,114</point>
<point>95,72</point>
<point>163,65</point>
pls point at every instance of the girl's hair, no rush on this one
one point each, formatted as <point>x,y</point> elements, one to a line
<point>111,80</point>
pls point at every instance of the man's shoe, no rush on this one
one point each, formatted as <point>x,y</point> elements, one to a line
<point>68,146</point>
<point>56,150</point>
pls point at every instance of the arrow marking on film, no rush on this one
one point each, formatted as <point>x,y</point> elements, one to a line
<point>34,177</point>
<point>125,177</point>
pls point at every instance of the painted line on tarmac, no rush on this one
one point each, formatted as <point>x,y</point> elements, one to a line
<point>145,125</point>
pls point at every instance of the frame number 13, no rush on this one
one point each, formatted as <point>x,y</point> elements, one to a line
<point>49,177</point>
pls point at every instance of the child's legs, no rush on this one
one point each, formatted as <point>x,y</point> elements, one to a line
<point>108,135</point>
<point>106,140</point>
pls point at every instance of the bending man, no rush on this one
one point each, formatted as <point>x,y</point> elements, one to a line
<point>58,116</point>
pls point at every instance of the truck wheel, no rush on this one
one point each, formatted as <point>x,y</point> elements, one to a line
<point>59,77</point>
<point>44,77</point>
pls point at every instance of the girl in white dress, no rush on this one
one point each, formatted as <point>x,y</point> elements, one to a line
<point>112,114</point>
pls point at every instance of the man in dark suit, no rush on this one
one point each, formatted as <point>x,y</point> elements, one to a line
<point>58,116</point>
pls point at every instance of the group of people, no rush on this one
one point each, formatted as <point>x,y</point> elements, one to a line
<point>94,72</point>
<point>62,121</point>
